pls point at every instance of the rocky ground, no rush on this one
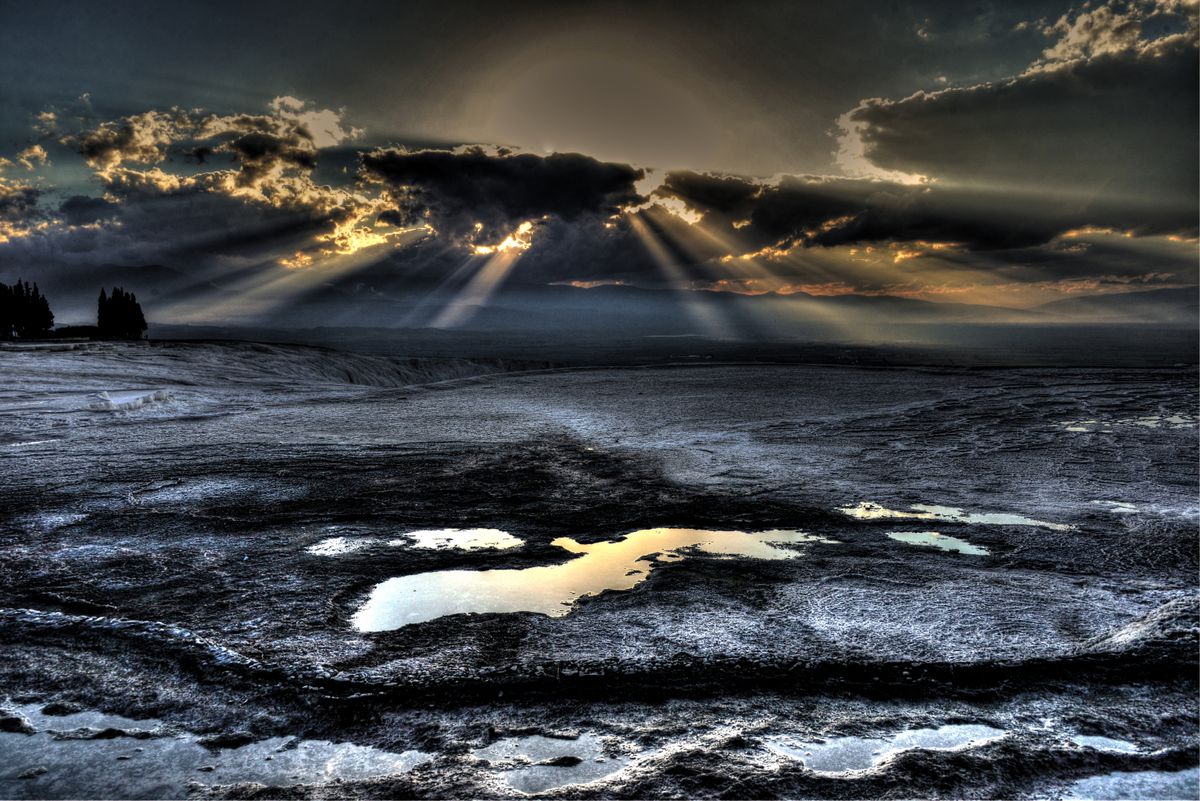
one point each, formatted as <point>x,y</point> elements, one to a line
<point>188,530</point>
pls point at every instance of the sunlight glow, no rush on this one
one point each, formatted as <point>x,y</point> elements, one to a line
<point>706,317</point>
<point>519,239</point>
<point>480,288</point>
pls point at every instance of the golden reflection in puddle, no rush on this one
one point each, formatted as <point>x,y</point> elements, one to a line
<point>867,510</point>
<point>552,589</point>
<point>935,540</point>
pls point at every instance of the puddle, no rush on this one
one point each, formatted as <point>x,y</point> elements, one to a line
<point>461,539</point>
<point>1147,421</point>
<point>577,761</point>
<point>552,589</point>
<point>847,754</point>
<point>866,510</point>
<point>936,540</point>
<point>440,539</point>
<point>140,759</point>
<point>1147,784</point>
<point>333,546</point>
<point>1104,743</point>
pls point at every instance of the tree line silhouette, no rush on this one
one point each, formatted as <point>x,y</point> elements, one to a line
<point>118,316</point>
<point>25,313</point>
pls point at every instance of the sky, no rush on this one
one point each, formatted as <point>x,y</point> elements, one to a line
<point>227,161</point>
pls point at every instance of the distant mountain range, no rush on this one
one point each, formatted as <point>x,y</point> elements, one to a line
<point>1155,305</point>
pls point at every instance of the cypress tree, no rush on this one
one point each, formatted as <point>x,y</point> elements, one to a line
<point>8,310</point>
<point>102,321</point>
<point>119,316</point>
<point>24,311</point>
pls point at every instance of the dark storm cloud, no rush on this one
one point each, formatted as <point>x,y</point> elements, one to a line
<point>454,191</point>
<point>1116,128</point>
<point>81,209</point>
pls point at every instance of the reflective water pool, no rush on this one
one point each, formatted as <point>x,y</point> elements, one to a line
<point>1091,426</point>
<point>93,755</point>
<point>440,539</point>
<point>537,763</point>
<point>847,754</point>
<point>867,510</point>
<point>1147,784</point>
<point>935,540</point>
<point>552,589</point>
<point>1104,743</point>
<point>461,539</point>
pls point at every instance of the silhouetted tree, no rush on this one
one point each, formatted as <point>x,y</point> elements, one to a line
<point>24,311</point>
<point>119,316</point>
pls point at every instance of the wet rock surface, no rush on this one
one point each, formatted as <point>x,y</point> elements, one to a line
<point>160,566</point>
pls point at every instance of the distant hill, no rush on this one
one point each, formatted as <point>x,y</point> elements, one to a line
<point>1155,306</point>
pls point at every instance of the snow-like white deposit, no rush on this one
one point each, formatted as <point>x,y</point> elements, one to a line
<point>127,400</point>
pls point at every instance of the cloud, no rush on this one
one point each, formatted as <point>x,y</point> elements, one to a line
<point>263,144</point>
<point>139,139</point>
<point>273,157</point>
<point>1032,181</point>
<point>1113,27</point>
<point>480,196</point>
<point>19,212</point>
<point>1120,127</point>
<point>324,126</point>
<point>807,211</point>
<point>32,157</point>
<point>18,202</point>
<point>1107,124</point>
<point>82,210</point>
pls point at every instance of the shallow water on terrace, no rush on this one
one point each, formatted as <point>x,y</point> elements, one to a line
<point>867,510</point>
<point>552,589</point>
<point>440,539</point>
<point>335,546</point>
<point>591,766</point>
<point>1148,784</point>
<point>1148,421</point>
<point>144,760</point>
<point>846,754</point>
<point>1104,743</point>
<point>936,540</point>
<point>461,539</point>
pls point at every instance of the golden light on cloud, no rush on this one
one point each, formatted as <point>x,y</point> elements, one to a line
<point>904,254</point>
<point>297,261</point>
<point>680,209</point>
<point>917,249</point>
<point>519,239</point>
<point>1089,230</point>
<point>768,252</point>
<point>590,284</point>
